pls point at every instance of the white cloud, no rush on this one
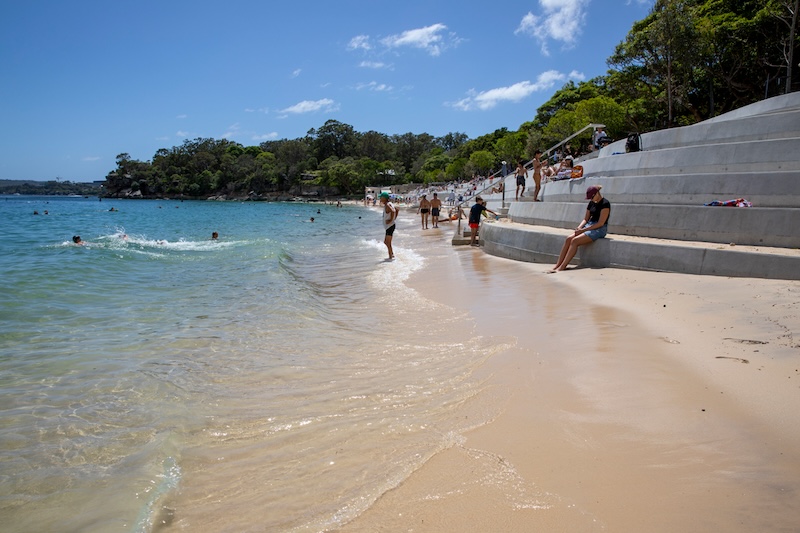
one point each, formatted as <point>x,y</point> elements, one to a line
<point>233,129</point>
<point>264,110</point>
<point>433,39</point>
<point>359,42</point>
<point>372,64</point>
<point>266,136</point>
<point>182,133</point>
<point>575,75</point>
<point>296,72</point>
<point>515,93</point>
<point>180,117</point>
<point>428,38</point>
<point>91,158</point>
<point>310,106</point>
<point>374,86</point>
<point>559,20</point>
<point>164,138</point>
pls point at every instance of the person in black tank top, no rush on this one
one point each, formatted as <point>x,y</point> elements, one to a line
<point>593,226</point>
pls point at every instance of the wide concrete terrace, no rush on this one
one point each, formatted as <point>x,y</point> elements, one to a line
<point>658,218</point>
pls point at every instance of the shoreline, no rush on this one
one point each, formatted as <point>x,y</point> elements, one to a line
<point>632,401</point>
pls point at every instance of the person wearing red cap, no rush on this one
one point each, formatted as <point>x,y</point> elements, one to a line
<point>593,226</point>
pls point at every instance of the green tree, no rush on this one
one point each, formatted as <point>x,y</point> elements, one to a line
<point>457,169</point>
<point>376,146</point>
<point>660,51</point>
<point>482,160</point>
<point>511,147</point>
<point>410,149</point>
<point>268,169</point>
<point>601,110</point>
<point>566,98</point>
<point>452,141</point>
<point>433,169</point>
<point>339,173</point>
<point>293,158</point>
<point>334,138</point>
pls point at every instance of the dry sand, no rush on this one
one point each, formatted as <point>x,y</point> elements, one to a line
<point>629,402</point>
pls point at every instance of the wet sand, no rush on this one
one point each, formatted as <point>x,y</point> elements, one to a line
<point>628,401</point>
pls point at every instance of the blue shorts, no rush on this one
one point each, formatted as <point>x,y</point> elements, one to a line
<point>598,233</point>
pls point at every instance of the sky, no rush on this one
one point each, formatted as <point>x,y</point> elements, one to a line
<point>85,80</point>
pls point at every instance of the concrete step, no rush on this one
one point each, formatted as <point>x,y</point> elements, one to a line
<point>754,226</point>
<point>723,157</point>
<point>763,188</point>
<point>542,244</point>
<point>777,125</point>
<point>767,119</point>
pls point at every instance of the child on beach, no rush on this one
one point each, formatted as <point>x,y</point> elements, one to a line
<point>475,218</point>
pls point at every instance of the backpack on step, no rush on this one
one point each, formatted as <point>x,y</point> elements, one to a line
<point>633,144</point>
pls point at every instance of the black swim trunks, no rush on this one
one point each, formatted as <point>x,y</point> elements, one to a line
<point>390,230</point>
<point>423,211</point>
<point>435,211</point>
<point>521,180</point>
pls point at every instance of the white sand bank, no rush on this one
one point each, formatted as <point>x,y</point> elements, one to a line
<point>631,401</point>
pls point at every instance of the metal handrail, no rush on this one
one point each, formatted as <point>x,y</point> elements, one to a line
<point>565,141</point>
<point>547,154</point>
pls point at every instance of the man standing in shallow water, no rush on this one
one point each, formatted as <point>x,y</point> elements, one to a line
<point>436,205</point>
<point>389,218</point>
<point>424,209</point>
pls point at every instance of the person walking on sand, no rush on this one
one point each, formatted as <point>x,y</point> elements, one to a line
<point>593,226</point>
<point>389,218</point>
<point>424,209</point>
<point>436,206</point>
<point>520,173</point>
<point>475,218</point>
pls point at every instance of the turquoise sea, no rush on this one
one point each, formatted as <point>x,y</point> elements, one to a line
<point>155,379</point>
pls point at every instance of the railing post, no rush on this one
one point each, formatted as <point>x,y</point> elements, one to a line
<point>503,181</point>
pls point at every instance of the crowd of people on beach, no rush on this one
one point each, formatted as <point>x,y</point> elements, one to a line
<point>592,227</point>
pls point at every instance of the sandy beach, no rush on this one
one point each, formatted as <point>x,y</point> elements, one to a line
<point>626,401</point>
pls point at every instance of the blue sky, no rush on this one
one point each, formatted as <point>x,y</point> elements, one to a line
<point>85,80</point>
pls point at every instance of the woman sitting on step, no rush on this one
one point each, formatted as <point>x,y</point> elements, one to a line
<point>564,171</point>
<point>593,226</point>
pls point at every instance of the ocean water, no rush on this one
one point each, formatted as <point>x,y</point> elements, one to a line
<point>280,378</point>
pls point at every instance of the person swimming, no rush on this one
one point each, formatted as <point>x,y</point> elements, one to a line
<point>77,240</point>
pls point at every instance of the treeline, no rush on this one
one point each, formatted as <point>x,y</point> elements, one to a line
<point>52,187</point>
<point>687,61</point>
